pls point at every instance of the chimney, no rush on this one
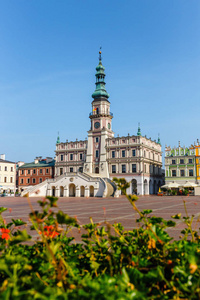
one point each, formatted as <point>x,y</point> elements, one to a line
<point>2,156</point>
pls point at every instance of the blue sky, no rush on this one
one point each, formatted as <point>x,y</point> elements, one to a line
<point>48,55</point>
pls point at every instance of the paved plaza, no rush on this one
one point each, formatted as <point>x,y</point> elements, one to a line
<point>113,210</point>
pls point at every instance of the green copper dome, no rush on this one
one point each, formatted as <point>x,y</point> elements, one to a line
<point>100,90</point>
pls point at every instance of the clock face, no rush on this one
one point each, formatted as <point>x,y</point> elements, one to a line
<point>97,125</point>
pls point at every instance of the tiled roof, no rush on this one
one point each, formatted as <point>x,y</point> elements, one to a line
<point>40,164</point>
<point>6,161</point>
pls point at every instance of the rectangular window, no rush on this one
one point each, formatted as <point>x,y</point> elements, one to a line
<point>28,180</point>
<point>113,168</point>
<point>71,170</point>
<point>123,153</point>
<point>182,173</point>
<point>34,171</point>
<point>191,173</point>
<point>133,152</point>
<point>11,179</point>
<point>190,160</point>
<point>5,168</point>
<point>133,168</point>
<point>174,173</point>
<point>123,168</point>
<point>61,157</point>
<point>181,161</point>
<point>22,181</point>
<point>71,156</point>
<point>29,171</point>
<point>113,154</point>
<point>97,153</point>
<point>61,171</point>
<point>33,180</point>
<point>40,171</point>
<point>11,169</point>
<point>40,181</point>
<point>81,156</point>
<point>173,161</point>
<point>97,139</point>
<point>47,171</point>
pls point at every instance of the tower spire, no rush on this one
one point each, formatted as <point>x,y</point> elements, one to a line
<point>100,90</point>
<point>139,131</point>
<point>159,139</point>
<point>58,139</point>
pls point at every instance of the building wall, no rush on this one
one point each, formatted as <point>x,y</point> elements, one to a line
<point>7,176</point>
<point>180,164</point>
<point>34,173</point>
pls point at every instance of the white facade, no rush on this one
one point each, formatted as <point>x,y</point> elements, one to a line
<point>7,176</point>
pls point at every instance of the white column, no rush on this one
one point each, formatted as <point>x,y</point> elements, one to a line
<point>66,191</point>
<point>103,165</point>
<point>87,192</point>
<point>77,191</point>
<point>57,194</point>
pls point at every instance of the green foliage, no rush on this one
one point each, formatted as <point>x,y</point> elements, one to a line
<point>110,263</point>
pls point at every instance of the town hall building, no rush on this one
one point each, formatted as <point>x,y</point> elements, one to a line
<point>86,168</point>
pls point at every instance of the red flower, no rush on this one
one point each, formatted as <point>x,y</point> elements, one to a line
<point>5,234</point>
<point>49,231</point>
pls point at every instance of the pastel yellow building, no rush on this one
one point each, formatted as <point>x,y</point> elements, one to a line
<point>197,154</point>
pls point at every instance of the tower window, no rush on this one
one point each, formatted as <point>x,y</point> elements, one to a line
<point>113,154</point>
<point>97,153</point>
<point>61,157</point>
<point>123,153</point>
<point>133,152</point>
<point>81,156</point>
<point>71,156</point>
<point>97,139</point>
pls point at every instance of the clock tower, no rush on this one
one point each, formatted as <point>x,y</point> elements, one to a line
<point>101,127</point>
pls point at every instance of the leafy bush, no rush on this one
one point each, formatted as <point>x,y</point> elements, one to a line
<point>110,263</point>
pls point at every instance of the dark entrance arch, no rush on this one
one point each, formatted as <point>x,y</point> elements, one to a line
<point>134,186</point>
<point>72,190</point>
